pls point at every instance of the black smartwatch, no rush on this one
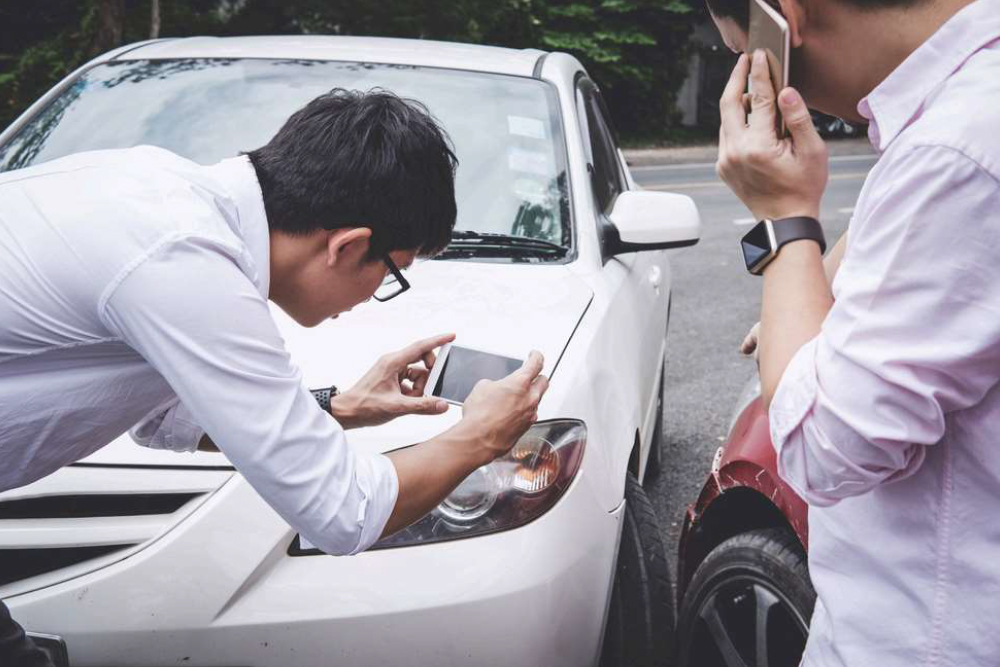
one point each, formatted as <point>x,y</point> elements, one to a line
<point>323,396</point>
<point>761,244</point>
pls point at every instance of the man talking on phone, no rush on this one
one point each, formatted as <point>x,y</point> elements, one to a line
<point>881,370</point>
<point>135,289</point>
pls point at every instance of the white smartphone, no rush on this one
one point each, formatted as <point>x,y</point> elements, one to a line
<point>457,370</point>
<point>769,31</point>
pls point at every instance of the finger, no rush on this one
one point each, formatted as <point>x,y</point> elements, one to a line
<point>539,386</point>
<point>429,359</point>
<point>763,112</point>
<point>416,351</point>
<point>531,367</point>
<point>423,406</point>
<point>734,118</point>
<point>748,345</point>
<point>805,138</point>
<point>721,160</point>
<point>418,376</point>
<point>746,102</point>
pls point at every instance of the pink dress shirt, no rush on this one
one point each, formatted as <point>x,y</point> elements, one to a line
<point>888,422</point>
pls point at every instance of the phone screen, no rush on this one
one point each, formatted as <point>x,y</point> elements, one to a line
<point>769,31</point>
<point>463,368</point>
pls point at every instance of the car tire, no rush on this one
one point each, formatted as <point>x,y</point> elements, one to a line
<point>640,626</point>
<point>761,574</point>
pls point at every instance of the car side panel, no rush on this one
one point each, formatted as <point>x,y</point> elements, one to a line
<point>747,460</point>
<point>618,345</point>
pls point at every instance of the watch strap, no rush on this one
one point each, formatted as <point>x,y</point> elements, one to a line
<point>323,397</point>
<point>787,230</point>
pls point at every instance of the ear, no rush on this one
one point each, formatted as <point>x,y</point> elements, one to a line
<point>347,243</point>
<point>794,12</point>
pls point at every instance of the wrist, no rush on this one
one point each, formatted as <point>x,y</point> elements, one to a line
<point>801,253</point>
<point>474,442</point>
<point>788,209</point>
<point>346,410</point>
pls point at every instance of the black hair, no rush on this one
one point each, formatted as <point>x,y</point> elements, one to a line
<point>739,10</point>
<point>361,159</point>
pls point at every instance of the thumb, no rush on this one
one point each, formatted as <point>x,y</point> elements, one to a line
<point>424,405</point>
<point>531,367</point>
<point>797,120</point>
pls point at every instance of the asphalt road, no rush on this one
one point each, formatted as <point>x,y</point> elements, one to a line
<point>715,302</point>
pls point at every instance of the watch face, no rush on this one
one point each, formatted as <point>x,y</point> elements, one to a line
<point>756,245</point>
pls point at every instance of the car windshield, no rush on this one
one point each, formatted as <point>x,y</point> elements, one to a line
<point>511,178</point>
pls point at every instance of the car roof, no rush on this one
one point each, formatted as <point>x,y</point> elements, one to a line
<point>419,52</point>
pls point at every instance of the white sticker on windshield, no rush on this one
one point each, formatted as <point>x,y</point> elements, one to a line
<point>532,162</point>
<point>526,127</point>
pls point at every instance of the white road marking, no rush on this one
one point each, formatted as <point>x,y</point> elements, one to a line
<point>697,165</point>
<point>719,184</point>
<point>744,221</point>
<point>846,211</point>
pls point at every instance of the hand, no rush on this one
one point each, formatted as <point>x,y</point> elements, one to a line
<point>749,345</point>
<point>504,410</point>
<point>392,388</point>
<point>775,177</point>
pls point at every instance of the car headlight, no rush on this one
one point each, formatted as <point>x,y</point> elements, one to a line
<point>509,492</point>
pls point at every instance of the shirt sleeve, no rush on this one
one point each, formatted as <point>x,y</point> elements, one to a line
<point>199,321</point>
<point>913,336</point>
<point>169,427</point>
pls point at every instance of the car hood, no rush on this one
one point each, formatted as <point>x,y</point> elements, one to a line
<point>508,309</point>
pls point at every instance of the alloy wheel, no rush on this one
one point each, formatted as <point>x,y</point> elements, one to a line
<point>744,621</point>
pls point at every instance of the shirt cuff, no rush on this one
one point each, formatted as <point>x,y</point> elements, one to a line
<point>379,484</point>
<point>171,427</point>
<point>795,395</point>
<point>820,453</point>
<point>791,405</point>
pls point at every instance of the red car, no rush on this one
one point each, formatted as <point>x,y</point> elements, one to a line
<point>743,584</point>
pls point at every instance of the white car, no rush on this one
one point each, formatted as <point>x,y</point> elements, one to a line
<point>551,556</point>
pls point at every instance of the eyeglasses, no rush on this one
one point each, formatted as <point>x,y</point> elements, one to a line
<point>394,283</point>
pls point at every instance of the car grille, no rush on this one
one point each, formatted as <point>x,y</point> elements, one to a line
<point>82,518</point>
<point>104,504</point>
<point>17,564</point>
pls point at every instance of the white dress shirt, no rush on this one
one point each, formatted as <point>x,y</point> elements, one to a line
<point>134,291</point>
<point>888,423</point>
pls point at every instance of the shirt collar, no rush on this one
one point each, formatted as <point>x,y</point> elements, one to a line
<point>897,100</point>
<point>239,179</point>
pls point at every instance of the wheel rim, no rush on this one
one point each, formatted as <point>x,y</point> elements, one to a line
<point>745,621</point>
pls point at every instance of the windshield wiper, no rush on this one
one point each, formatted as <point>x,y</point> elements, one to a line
<point>465,243</point>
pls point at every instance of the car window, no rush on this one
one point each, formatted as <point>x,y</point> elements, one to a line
<point>506,130</point>
<point>607,179</point>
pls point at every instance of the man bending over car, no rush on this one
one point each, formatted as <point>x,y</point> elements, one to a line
<point>134,294</point>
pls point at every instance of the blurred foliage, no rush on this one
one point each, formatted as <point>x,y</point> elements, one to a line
<point>635,49</point>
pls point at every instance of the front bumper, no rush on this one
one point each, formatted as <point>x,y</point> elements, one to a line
<point>220,589</point>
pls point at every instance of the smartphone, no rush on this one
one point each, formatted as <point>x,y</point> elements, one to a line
<point>769,31</point>
<point>457,370</point>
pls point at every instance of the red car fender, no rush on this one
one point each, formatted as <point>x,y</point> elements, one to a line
<point>746,460</point>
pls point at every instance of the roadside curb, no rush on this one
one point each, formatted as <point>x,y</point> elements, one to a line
<point>641,157</point>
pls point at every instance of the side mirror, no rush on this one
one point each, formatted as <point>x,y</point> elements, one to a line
<point>643,220</point>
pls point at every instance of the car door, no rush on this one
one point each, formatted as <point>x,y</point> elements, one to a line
<point>637,283</point>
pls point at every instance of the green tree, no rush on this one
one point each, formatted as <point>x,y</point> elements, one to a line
<point>635,49</point>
